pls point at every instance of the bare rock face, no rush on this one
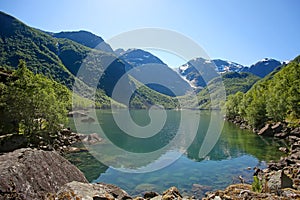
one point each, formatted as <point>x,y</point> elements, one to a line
<point>32,174</point>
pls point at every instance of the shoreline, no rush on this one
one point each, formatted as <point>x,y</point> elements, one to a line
<point>281,179</point>
<point>288,166</point>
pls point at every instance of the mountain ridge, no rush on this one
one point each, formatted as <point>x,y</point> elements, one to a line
<point>85,38</point>
<point>60,58</point>
<point>198,71</point>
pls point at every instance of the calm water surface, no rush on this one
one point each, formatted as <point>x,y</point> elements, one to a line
<point>235,151</point>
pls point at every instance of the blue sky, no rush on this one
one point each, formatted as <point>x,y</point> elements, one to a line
<point>240,31</point>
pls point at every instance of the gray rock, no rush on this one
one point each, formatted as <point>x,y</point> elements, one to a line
<point>31,174</point>
<point>296,132</point>
<point>281,135</point>
<point>277,127</point>
<point>88,120</point>
<point>283,149</point>
<point>266,131</point>
<point>171,193</point>
<point>78,113</point>
<point>157,198</point>
<point>279,180</point>
<point>90,139</point>
<point>89,191</point>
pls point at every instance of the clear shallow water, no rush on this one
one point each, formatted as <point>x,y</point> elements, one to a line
<point>234,152</point>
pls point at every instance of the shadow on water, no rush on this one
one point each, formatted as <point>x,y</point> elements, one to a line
<point>235,142</point>
<point>87,163</point>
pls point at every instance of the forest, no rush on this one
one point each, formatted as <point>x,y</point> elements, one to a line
<point>275,98</point>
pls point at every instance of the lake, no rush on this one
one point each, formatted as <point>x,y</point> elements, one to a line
<point>196,151</point>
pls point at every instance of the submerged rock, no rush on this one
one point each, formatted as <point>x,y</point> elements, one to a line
<point>31,173</point>
<point>90,139</point>
<point>78,113</point>
<point>88,120</point>
<point>200,190</point>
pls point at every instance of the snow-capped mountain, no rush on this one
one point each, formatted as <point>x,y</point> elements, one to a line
<point>227,66</point>
<point>263,67</point>
<point>198,72</point>
<point>136,57</point>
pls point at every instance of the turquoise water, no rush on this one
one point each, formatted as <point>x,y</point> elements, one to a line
<point>234,152</point>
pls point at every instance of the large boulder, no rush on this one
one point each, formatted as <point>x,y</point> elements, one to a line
<point>88,191</point>
<point>32,174</point>
<point>279,180</point>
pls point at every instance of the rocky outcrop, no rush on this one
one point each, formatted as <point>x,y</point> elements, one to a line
<point>278,129</point>
<point>88,191</point>
<point>266,131</point>
<point>244,191</point>
<point>281,179</point>
<point>62,141</point>
<point>290,164</point>
<point>31,173</point>
<point>59,141</point>
<point>102,191</point>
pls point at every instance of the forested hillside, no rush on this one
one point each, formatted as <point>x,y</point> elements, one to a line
<point>233,82</point>
<point>273,99</point>
<point>59,57</point>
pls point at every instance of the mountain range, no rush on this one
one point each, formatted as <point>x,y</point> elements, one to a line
<point>198,72</point>
<point>59,56</point>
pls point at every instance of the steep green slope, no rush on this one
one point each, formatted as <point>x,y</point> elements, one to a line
<point>100,69</point>
<point>85,38</point>
<point>144,97</point>
<point>60,59</point>
<point>233,82</point>
<point>238,82</point>
<point>274,98</point>
<point>38,49</point>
